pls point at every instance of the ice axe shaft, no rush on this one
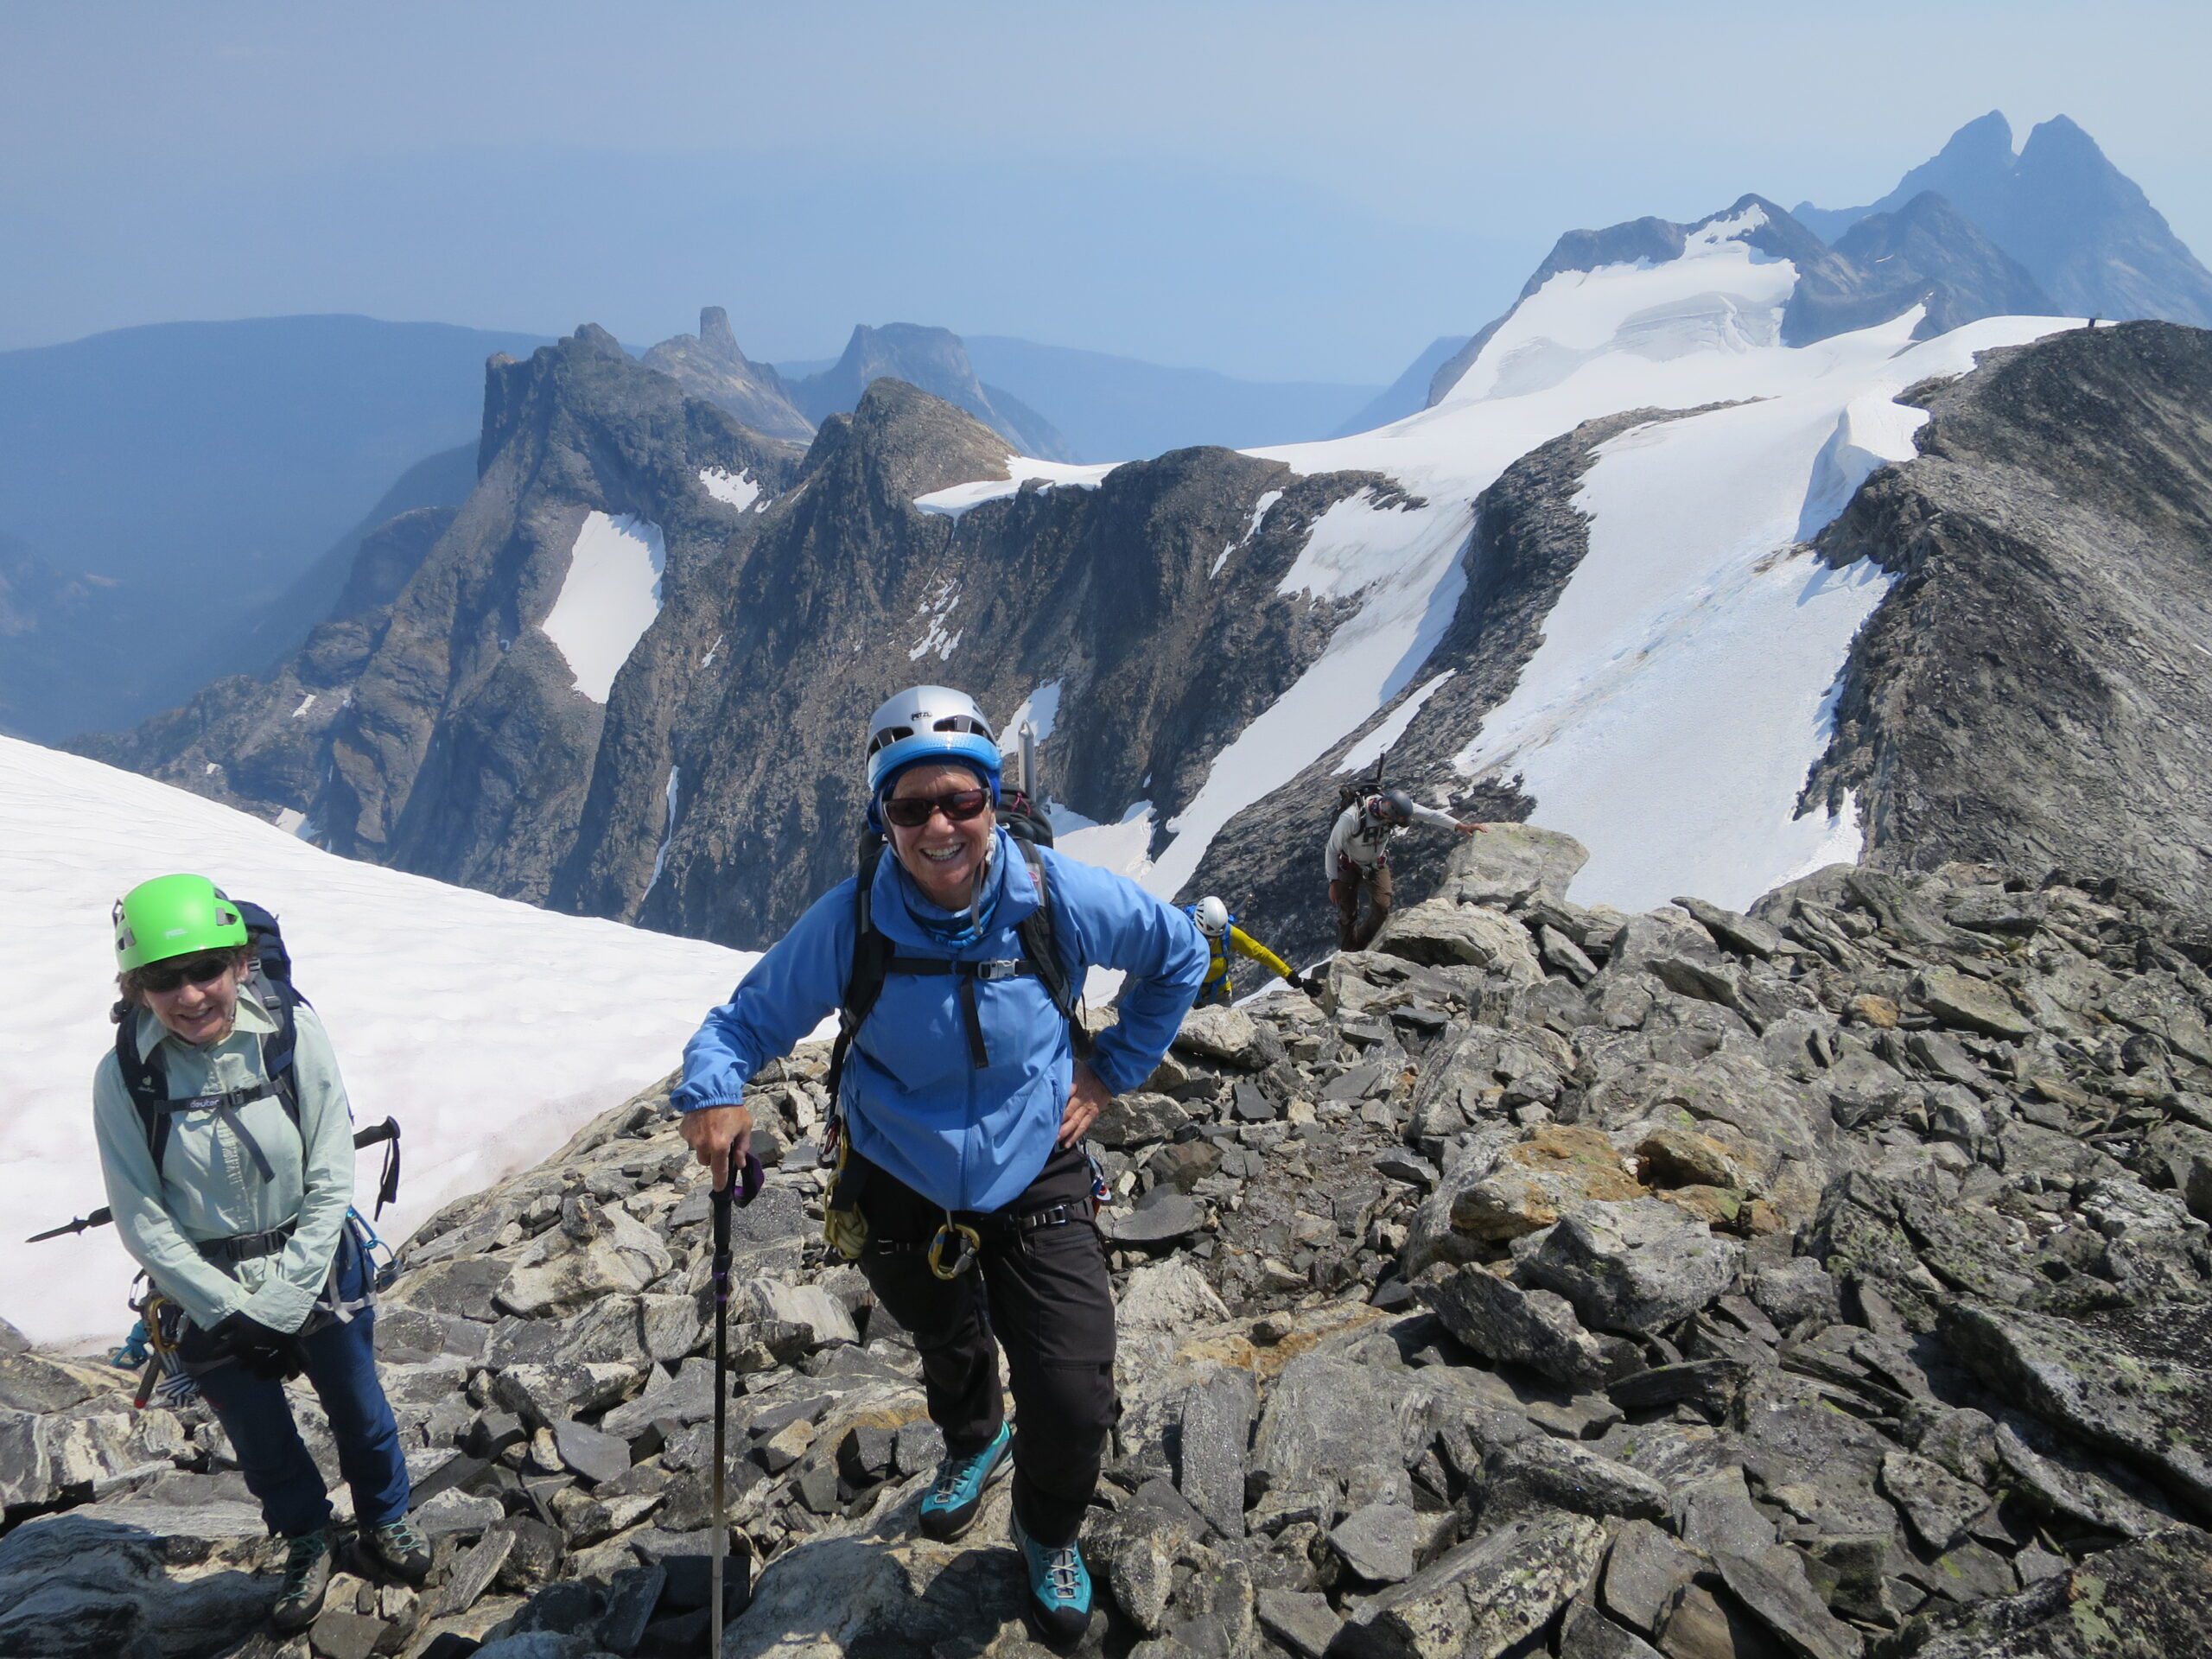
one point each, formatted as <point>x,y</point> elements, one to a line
<point>387,1130</point>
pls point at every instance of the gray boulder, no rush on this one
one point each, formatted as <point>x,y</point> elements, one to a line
<point>1511,864</point>
<point>1478,1600</point>
<point>1506,1322</point>
<point>1635,1268</point>
<point>1438,932</point>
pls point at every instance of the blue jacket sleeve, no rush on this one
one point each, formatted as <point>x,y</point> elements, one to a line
<point>789,991</point>
<point>1114,922</point>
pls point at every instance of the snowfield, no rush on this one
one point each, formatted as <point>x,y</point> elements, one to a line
<point>491,1030</point>
<point>1686,680</point>
<point>610,597</point>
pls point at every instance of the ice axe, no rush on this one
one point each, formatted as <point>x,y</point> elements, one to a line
<point>388,1185</point>
<point>744,1184</point>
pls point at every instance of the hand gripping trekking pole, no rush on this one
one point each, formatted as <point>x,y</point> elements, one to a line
<point>744,1184</point>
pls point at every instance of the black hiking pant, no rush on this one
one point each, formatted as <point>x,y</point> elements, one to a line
<point>1043,1294</point>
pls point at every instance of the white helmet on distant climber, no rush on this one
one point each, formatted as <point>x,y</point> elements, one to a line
<point>1211,916</point>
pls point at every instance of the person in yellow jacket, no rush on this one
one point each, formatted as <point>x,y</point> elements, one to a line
<point>1223,936</point>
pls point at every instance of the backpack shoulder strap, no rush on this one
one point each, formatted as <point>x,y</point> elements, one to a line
<point>279,1049</point>
<point>1040,947</point>
<point>147,1079</point>
<point>871,964</point>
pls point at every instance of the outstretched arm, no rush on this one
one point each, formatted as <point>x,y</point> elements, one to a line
<point>1246,946</point>
<point>1442,820</point>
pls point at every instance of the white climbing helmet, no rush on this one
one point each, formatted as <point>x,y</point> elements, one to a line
<point>930,723</point>
<point>1211,916</point>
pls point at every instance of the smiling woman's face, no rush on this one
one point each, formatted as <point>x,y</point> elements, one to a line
<point>201,1010</point>
<point>944,856</point>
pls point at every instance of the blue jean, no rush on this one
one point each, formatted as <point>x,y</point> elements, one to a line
<point>341,1364</point>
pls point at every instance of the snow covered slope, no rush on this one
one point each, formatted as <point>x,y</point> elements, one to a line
<point>1683,688</point>
<point>490,1029</point>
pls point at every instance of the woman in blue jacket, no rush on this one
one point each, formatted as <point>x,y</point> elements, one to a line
<point>964,1106</point>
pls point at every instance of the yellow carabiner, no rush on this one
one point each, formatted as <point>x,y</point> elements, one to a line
<point>966,1240</point>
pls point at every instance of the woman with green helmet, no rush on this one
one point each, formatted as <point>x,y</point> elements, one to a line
<point>226,1145</point>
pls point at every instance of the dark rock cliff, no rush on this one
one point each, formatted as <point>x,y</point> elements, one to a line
<point>755,696</point>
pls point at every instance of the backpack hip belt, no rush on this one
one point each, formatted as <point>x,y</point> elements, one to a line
<point>244,1247</point>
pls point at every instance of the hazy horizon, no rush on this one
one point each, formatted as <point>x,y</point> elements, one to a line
<point>1286,192</point>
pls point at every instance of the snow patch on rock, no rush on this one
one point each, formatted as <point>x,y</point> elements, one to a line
<point>961,498</point>
<point>610,597</point>
<point>737,490</point>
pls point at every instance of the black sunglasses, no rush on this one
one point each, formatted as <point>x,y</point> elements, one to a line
<point>912,811</point>
<point>166,977</point>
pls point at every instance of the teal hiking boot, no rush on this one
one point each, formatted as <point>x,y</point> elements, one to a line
<point>400,1550</point>
<point>957,1492</point>
<point>1058,1606</point>
<point>306,1576</point>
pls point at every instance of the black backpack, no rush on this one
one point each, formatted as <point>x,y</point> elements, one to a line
<point>1367,783</point>
<point>270,982</point>
<point>875,958</point>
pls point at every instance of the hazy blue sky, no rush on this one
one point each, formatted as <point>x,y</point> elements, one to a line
<point>1288,190</point>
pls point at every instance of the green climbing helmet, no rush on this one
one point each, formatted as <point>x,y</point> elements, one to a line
<point>173,915</point>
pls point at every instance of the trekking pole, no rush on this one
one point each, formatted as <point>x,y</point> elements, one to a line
<point>744,1172</point>
<point>721,1199</point>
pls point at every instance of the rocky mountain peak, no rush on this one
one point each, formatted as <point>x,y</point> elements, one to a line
<point>715,333</point>
<point>935,360</point>
<point>1978,153</point>
<point>909,441</point>
<point>711,364</point>
<point>2082,229</point>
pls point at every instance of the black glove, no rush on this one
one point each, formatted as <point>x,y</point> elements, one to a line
<point>261,1349</point>
<point>1310,983</point>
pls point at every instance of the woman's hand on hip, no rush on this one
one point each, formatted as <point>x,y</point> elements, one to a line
<point>1086,1099</point>
<point>712,1132</point>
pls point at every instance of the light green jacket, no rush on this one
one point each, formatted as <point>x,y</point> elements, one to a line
<point>210,1185</point>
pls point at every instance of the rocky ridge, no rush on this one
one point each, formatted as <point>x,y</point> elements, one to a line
<point>2053,546</point>
<point>1830,1279</point>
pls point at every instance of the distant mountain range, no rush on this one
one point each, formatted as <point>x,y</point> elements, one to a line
<point>184,500</point>
<point>1975,232</point>
<point>1621,578</point>
<point>2076,224</point>
<point>1118,408</point>
<point>187,500</point>
<point>197,469</point>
